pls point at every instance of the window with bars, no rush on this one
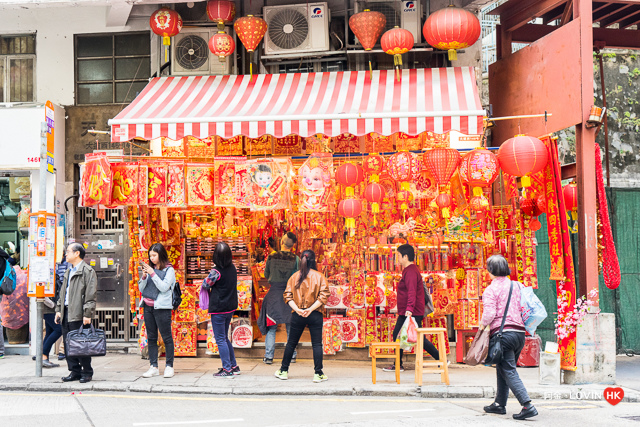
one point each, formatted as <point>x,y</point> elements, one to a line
<point>17,68</point>
<point>111,68</point>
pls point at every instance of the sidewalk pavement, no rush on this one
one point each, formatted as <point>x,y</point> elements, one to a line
<point>123,373</point>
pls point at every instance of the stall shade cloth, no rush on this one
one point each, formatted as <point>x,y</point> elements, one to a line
<point>433,99</point>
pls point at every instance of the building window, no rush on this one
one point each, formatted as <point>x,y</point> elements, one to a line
<point>17,68</point>
<point>111,68</point>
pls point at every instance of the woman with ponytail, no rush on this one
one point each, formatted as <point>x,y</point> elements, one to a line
<point>306,293</point>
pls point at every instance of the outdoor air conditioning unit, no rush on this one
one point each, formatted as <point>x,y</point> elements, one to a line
<point>190,54</point>
<point>404,14</point>
<point>297,28</point>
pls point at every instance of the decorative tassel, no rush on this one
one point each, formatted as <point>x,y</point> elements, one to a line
<point>374,178</point>
<point>405,186</point>
<point>350,223</point>
<point>477,191</point>
<point>525,181</point>
<point>349,193</point>
<point>251,69</point>
<point>370,71</point>
<point>375,208</point>
<point>453,56</point>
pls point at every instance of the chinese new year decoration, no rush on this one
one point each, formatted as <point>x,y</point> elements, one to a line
<point>349,175</point>
<point>523,156</point>
<point>221,11</point>
<point>479,168</point>
<point>570,194</point>
<point>451,28</point>
<point>250,30</point>
<point>441,163</point>
<point>374,193</point>
<point>401,167</point>
<point>367,26</point>
<point>222,45</point>
<point>373,166</point>
<point>350,209</point>
<point>396,42</point>
<point>165,23</point>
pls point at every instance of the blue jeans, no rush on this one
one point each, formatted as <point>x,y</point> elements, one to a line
<point>54,331</point>
<point>270,342</point>
<point>220,325</point>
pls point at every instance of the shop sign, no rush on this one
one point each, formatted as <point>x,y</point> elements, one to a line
<point>49,119</point>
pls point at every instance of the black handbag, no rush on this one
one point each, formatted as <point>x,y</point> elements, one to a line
<point>86,342</point>
<point>494,355</point>
<point>176,296</point>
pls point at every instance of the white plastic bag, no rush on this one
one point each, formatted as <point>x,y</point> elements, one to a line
<point>403,335</point>
<point>533,311</point>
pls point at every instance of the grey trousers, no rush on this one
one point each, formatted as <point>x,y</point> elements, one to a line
<point>508,378</point>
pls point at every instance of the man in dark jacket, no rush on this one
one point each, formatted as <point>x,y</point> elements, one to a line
<point>410,298</point>
<point>76,306</point>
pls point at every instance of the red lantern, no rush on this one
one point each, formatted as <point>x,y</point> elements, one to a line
<point>395,42</point>
<point>443,200</point>
<point>221,11</point>
<point>570,194</point>
<point>401,167</point>
<point>479,204</point>
<point>479,168</point>
<point>529,207</point>
<point>250,31</point>
<point>349,174</point>
<point>451,28</point>
<point>523,156</point>
<point>441,164</point>
<point>541,201</point>
<point>373,165</point>
<point>165,23</point>
<point>535,224</point>
<point>222,45</point>
<point>367,26</point>
<point>350,209</point>
<point>374,193</point>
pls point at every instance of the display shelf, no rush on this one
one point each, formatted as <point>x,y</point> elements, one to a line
<point>210,253</point>
<point>197,276</point>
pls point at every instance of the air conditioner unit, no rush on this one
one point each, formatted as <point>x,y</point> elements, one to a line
<point>404,14</point>
<point>190,54</point>
<point>297,28</point>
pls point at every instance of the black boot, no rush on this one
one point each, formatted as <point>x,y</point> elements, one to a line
<point>528,411</point>
<point>494,408</point>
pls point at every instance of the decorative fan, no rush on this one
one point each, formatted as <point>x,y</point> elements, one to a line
<point>288,29</point>
<point>192,52</point>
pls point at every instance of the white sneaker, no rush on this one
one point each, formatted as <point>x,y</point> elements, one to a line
<point>152,372</point>
<point>168,372</point>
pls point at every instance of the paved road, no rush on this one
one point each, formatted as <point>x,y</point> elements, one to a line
<point>142,409</point>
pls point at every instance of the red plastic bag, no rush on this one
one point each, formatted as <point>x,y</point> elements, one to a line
<point>412,331</point>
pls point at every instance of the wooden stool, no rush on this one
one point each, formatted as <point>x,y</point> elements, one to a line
<point>435,366</point>
<point>374,346</point>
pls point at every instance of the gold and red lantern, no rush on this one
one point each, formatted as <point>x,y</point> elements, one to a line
<point>441,164</point>
<point>165,23</point>
<point>523,156</point>
<point>401,167</point>
<point>570,194</point>
<point>451,28</point>
<point>373,166</point>
<point>479,168</point>
<point>367,26</point>
<point>221,11</point>
<point>250,30</point>
<point>350,209</point>
<point>222,45</point>
<point>396,42</point>
<point>374,193</point>
<point>479,204</point>
<point>349,175</point>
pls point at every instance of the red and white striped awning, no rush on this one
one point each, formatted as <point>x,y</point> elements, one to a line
<point>431,99</point>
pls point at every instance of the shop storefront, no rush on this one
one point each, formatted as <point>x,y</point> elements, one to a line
<point>353,163</point>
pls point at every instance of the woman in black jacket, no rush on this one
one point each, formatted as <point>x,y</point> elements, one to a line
<point>222,284</point>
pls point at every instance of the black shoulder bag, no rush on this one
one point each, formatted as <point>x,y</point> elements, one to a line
<point>494,355</point>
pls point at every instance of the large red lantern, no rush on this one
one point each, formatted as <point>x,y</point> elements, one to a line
<point>479,168</point>
<point>367,26</point>
<point>451,28</point>
<point>373,166</point>
<point>441,164</point>
<point>165,23</point>
<point>350,209</point>
<point>444,200</point>
<point>396,42</point>
<point>221,11</point>
<point>222,45</point>
<point>374,193</point>
<point>523,156</point>
<point>349,174</point>
<point>401,167</point>
<point>250,30</point>
<point>570,194</point>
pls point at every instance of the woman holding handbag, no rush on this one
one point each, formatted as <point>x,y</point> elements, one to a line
<point>156,286</point>
<point>502,314</point>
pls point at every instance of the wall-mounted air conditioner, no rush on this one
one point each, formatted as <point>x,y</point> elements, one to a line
<point>297,28</point>
<point>404,14</point>
<point>190,54</point>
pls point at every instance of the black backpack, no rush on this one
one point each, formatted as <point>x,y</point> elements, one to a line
<point>177,296</point>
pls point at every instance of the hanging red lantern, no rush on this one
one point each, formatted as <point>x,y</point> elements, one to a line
<point>444,200</point>
<point>451,28</point>
<point>570,194</point>
<point>367,26</point>
<point>373,165</point>
<point>529,206</point>
<point>350,209</point>
<point>165,23</point>
<point>441,164</point>
<point>396,42</point>
<point>221,11</point>
<point>349,175</point>
<point>535,224</point>
<point>222,45</point>
<point>479,168</point>
<point>250,30</point>
<point>479,204</point>
<point>374,193</point>
<point>523,156</point>
<point>541,201</point>
<point>401,167</point>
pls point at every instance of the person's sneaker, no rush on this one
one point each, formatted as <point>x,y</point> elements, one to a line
<point>236,370</point>
<point>152,372</point>
<point>494,408</point>
<point>528,411</point>
<point>223,374</point>
<point>293,360</point>
<point>1,355</point>
<point>392,368</point>
<point>318,378</point>
<point>282,375</point>
<point>168,372</point>
<point>267,361</point>
<point>61,356</point>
